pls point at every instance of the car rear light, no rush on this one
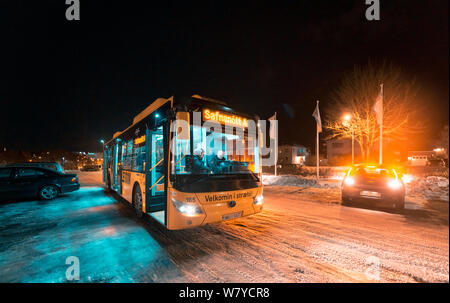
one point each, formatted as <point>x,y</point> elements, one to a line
<point>349,181</point>
<point>395,184</point>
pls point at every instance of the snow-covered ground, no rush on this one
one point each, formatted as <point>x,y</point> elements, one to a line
<point>303,235</point>
<point>302,181</point>
<point>429,188</point>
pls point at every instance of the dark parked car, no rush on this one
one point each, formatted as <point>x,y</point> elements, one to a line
<point>21,182</point>
<point>49,165</point>
<point>91,167</point>
<point>374,184</point>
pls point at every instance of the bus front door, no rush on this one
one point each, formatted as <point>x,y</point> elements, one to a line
<point>117,167</point>
<point>155,174</point>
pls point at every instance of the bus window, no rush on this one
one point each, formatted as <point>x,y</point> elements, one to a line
<point>216,153</point>
<point>134,156</point>
<point>180,149</point>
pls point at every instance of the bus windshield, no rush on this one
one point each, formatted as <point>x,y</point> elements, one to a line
<point>216,153</point>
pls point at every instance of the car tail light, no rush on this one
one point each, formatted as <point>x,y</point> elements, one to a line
<point>349,181</point>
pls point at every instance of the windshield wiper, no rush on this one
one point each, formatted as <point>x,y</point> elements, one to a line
<point>254,175</point>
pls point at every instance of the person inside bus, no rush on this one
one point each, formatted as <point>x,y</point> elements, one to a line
<point>198,166</point>
<point>217,162</point>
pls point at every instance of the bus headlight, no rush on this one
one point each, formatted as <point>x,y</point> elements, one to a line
<point>258,200</point>
<point>188,209</point>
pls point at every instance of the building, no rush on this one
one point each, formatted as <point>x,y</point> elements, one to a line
<point>425,158</point>
<point>419,158</point>
<point>293,154</point>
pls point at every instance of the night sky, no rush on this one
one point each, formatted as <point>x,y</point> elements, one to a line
<point>66,84</point>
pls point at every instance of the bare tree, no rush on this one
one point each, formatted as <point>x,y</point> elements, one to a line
<point>442,141</point>
<point>356,97</point>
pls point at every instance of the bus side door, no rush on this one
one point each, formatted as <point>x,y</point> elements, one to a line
<point>155,173</point>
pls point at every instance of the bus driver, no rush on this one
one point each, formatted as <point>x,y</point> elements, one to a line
<point>198,167</point>
<point>217,162</point>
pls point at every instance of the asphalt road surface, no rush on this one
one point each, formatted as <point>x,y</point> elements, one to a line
<point>301,236</point>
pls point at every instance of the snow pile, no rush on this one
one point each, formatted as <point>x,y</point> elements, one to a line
<point>299,181</point>
<point>431,187</point>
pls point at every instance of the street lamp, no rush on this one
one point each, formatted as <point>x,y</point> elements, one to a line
<point>346,122</point>
<point>347,118</point>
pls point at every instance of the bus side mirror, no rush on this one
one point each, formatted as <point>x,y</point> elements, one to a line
<point>182,126</point>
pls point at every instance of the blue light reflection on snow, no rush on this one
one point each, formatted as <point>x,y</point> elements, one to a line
<point>87,224</point>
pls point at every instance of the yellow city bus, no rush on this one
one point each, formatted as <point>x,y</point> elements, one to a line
<point>187,162</point>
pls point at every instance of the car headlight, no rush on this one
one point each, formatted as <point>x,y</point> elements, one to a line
<point>395,184</point>
<point>188,209</point>
<point>349,181</point>
<point>258,200</point>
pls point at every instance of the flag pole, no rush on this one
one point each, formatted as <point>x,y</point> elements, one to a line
<point>317,145</point>
<point>381,127</point>
<point>276,145</point>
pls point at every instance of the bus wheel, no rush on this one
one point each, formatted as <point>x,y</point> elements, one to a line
<point>137,201</point>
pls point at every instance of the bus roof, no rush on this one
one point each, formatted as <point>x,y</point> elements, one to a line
<point>147,111</point>
<point>209,99</point>
<point>160,102</point>
<point>150,109</point>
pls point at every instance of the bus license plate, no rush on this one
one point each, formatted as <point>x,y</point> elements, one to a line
<point>370,194</point>
<point>232,216</point>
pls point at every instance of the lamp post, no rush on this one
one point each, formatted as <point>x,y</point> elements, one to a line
<point>346,122</point>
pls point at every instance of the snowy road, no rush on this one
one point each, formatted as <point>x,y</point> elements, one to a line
<point>302,235</point>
